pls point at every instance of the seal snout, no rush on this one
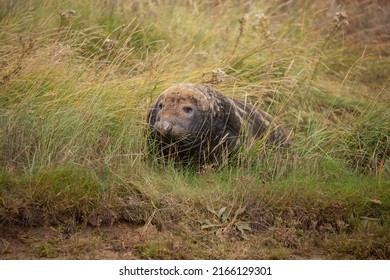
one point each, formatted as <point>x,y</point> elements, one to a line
<point>164,127</point>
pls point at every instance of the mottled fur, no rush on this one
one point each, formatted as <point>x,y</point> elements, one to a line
<point>192,122</point>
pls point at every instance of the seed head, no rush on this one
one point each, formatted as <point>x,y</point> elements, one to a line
<point>340,19</point>
<point>261,25</point>
<point>109,44</point>
<point>217,76</point>
<point>68,13</point>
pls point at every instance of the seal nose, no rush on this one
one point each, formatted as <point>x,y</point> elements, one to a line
<point>164,127</point>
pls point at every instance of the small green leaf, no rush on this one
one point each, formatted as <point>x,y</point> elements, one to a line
<point>221,212</point>
<point>224,217</point>
<point>210,209</point>
<point>370,219</point>
<point>244,226</point>
<point>240,229</point>
<point>240,211</point>
<point>210,226</point>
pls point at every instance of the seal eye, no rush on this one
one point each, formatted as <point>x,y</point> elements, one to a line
<point>187,109</point>
<point>160,106</point>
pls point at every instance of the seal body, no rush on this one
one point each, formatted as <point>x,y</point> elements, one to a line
<point>195,123</point>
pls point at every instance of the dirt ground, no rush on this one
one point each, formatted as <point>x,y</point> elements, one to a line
<point>119,241</point>
<point>113,242</point>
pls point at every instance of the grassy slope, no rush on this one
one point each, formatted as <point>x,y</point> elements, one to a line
<point>72,119</point>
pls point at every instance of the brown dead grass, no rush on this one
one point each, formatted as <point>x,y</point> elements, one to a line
<point>123,241</point>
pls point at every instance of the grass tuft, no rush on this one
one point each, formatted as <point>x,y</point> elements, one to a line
<point>77,80</point>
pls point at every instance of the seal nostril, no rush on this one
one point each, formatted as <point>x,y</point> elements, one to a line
<point>164,127</point>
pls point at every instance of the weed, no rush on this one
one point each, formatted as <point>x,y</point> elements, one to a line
<point>47,250</point>
<point>227,225</point>
<point>76,82</point>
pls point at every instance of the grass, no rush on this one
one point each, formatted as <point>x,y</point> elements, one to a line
<point>75,88</point>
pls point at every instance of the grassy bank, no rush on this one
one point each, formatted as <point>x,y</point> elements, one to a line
<point>77,80</point>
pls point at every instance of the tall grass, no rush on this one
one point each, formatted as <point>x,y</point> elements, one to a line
<point>77,80</point>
